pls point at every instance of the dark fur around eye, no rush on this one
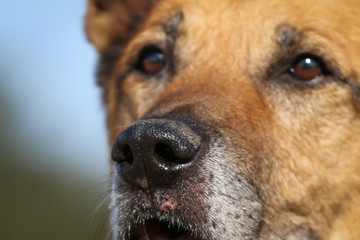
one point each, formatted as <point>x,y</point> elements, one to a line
<point>303,69</point>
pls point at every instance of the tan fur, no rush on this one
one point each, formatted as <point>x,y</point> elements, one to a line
<point>307,140</point>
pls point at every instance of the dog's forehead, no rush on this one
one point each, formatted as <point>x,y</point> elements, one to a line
<point>249,13</point>
<point>258,24</point>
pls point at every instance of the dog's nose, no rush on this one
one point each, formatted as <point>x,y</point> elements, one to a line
<point>155,151</point>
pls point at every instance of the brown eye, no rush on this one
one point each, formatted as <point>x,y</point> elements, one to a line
<point>307,68</point>
<point>151,61</point>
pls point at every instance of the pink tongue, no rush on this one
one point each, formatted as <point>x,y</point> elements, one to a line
<point>161,231</point>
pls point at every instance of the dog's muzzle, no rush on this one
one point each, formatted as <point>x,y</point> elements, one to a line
<point>175,179</point>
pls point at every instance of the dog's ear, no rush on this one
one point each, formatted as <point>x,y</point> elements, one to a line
<point>109,22</point>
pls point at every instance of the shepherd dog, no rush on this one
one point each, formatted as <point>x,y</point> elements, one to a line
<point>230,119</point>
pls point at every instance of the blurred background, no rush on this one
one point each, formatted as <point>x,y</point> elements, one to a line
<point>53,149</point>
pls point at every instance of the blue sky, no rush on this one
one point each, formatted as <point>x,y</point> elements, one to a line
<point>49,75</point>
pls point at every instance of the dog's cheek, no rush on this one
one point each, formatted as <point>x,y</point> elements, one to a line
<point>314,152</point>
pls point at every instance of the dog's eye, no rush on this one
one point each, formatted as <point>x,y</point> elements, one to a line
<point>151,61</point>
<point>307,68</point>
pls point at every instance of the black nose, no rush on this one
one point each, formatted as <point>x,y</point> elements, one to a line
<point>155,151</point>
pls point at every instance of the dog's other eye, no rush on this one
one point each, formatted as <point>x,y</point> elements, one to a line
<point>307,68</point>
<point>151,60</point>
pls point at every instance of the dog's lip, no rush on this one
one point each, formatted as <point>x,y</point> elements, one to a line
<point>154,229</point>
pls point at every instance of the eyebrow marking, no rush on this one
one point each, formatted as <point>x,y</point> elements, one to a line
<point>286,35</point>
<point>172,24</point>
<point>170,28</point>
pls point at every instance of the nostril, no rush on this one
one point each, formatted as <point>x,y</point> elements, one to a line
<point>127,154</point>
<point>123,156</point>
<point>166,153</point>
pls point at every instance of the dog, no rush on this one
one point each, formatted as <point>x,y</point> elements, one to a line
<point>231,119</point>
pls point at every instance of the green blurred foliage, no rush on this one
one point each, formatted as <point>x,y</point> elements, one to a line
<point>37,203</point>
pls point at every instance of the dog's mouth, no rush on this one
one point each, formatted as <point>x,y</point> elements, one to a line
<point>158,230</point>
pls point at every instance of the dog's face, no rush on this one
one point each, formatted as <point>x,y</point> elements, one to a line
<point>231,119</point>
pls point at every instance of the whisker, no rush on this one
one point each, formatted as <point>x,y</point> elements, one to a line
<point>268,226</point>
<point>99,226</point>
<point>121,127</point>
<point>102,224</point>
<point>101,184</point>
<point>287,221</point>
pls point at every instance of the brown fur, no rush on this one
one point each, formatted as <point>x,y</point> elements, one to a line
<point>301,143</point>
